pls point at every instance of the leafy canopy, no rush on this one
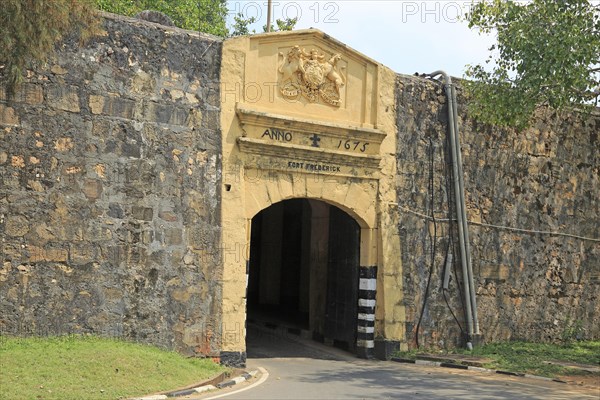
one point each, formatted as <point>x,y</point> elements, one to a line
<point>242,24</point>
<point>547,54</point>
<point>206,16</point>
<point>30,28</point>
<point>287,24</point>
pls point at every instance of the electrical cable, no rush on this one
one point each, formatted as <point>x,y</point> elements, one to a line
<point>503,227</point>
<point>432,241</point>
<point>446,297</point>
<point>508,228</point>
<point>448,187</point>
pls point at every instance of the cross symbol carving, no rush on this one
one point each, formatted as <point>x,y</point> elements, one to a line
<point>315,140</point>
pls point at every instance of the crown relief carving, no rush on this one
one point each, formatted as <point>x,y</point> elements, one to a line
<point>311,75</point>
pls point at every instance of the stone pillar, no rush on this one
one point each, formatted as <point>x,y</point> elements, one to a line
<point>390,314</point>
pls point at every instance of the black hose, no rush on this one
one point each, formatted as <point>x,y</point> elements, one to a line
<point>444,291</point>
<point>432,240</point>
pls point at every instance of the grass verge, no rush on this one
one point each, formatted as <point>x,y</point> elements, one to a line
<point>82,367</point>
<point>531,358</point>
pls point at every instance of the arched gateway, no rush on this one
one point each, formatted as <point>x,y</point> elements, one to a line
<point>308,166</point>
<point>304,269</point>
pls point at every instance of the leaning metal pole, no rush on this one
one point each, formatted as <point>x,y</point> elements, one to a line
<point>464,212</point>
<point>463,236</point>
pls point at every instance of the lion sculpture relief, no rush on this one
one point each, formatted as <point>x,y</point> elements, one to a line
<point>312,75</point>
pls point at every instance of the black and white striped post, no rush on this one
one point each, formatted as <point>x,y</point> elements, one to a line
<point>367,289</point>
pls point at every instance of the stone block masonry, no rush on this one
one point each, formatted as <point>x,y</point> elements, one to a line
<point>109,202</point>
<point>525,193</point>
<point>113,220</point>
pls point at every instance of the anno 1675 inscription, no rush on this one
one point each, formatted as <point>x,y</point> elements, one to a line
<point>314,140</point>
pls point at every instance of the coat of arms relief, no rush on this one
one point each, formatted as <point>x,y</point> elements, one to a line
<point>311,75</point>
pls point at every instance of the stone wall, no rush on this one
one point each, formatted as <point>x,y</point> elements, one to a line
<point>110,199</point>
<point>535,286</point>
<point>109,193</point>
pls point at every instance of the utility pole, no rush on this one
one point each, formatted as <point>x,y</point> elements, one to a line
<point>269,16</point>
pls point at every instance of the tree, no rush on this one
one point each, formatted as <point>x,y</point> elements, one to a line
<point>547,54</point>
<point>199,15</point>
<point>241,25</point>
<point>287,24</point>
<point>29,30</point>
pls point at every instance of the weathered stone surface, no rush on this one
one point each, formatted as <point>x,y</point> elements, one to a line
<point>532,286</point>
<point>31,94</point>
<point>96,104</point>
<point>110,205</point>
<point>142,213</point>
<point>63,97</point>
<point>92,189</point>
<point>8,116</point>
<point>46,254</point>
<point>16,225</point>
<point>86,171</point>
<point>168,216</point>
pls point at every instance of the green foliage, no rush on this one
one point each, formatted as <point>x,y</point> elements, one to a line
<point>572,332</point>
<point>547,54</point>
<point>287,24</point>
<point>241,25</point>
<point>530,358</point>
<point>29,30</point>
<point>527,357</point>
<point>199,15</point>
<point>76,367</point>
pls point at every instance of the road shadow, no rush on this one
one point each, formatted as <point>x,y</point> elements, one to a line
<point>276,342</point>
<point>407,382</point>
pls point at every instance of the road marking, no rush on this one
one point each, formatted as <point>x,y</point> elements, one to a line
<point>263,378</point>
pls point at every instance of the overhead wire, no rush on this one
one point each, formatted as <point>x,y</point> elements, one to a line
<point>503,227</point>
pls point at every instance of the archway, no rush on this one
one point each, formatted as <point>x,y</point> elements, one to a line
<point>304,270</point>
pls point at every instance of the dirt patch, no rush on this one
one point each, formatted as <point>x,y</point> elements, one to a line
<point>589,380</point>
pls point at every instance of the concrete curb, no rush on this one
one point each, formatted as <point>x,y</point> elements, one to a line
<point>201,389</point>
<point>472,368</point>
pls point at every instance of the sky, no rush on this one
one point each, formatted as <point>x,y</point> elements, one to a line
<point>406,36</point>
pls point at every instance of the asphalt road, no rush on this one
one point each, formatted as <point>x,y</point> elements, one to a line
<point>303,369</point>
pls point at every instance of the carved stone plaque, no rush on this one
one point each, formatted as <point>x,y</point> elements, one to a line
<point>312,75</point>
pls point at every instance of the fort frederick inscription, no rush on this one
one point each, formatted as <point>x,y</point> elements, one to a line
<point>313,167</point>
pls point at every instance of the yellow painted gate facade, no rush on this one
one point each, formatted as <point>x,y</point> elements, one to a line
<point>305,117</point>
